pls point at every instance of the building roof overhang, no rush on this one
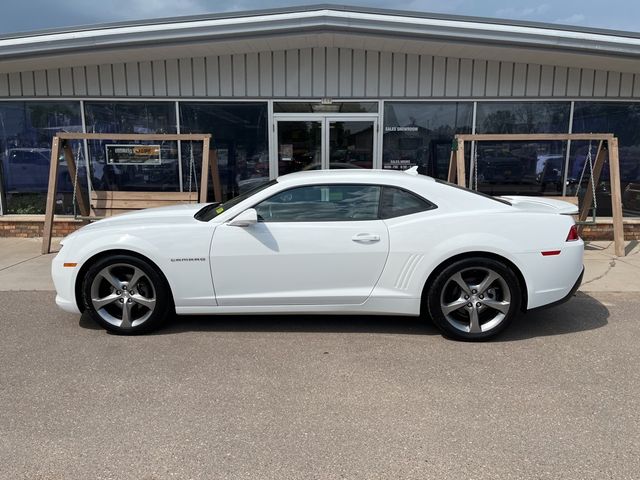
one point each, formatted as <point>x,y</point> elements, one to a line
<point>323,25</point>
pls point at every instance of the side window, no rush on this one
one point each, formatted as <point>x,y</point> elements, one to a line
<point>321,203</point>
<point>396,203</point>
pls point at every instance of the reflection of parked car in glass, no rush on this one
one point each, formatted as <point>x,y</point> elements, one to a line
<point>502,172</point>
<point>26,170</point>
<point>549,172</point>
<point>359,158</point>
<point>631,199</point>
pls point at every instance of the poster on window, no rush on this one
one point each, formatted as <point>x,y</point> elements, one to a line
<point>286,152</point>
<point>133,154</point>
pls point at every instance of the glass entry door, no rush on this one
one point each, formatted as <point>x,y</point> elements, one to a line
<point>323,142</point>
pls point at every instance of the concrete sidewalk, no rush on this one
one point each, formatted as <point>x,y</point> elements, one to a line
<point>22,267</point>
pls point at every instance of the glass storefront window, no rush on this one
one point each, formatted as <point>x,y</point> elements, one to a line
<point>623,120</point>
<point>132,117</point>
<point>525,168</point>
<point>420,133</point>
<point>26,130</point>
<point>239,137</point>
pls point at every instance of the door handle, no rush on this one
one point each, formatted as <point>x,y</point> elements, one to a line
<point>366,238</point>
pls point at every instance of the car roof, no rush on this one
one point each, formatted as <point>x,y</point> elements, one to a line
<point>358,175</point>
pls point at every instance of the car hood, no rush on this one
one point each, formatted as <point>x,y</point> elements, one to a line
<point>174,214</point>
<point>542,205</point>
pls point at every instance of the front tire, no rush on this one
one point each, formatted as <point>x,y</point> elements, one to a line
<point>474,299</point>
<point>126,295</point>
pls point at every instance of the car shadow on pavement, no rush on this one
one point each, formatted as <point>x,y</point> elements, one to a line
<point>301,323</point>
<point>581,313</point>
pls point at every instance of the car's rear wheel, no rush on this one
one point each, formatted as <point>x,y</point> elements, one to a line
<point>126,295</point>
<point>474,298</point>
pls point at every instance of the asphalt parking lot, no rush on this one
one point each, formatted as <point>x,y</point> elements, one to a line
<point>320,397</point>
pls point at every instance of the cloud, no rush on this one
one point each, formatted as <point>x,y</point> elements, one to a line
<point>575,19</point>
<point>526,12</point>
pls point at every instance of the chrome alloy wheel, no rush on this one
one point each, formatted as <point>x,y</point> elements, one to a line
<point>475,300</point>
<point>123,295</point>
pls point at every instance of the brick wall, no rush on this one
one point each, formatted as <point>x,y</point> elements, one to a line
<point>27,228</point>
<point>604,231</point>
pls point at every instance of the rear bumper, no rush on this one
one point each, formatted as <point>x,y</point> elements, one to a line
<point>551,279</point>
<point>567,297</point>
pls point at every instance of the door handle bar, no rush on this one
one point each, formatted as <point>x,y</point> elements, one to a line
<point>366,238</point>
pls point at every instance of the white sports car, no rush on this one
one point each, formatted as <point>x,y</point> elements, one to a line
<point>328,242</point>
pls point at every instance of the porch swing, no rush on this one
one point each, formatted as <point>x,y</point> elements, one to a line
<point>588,206</point>
<point>593,179</point>
<point>105,203</point>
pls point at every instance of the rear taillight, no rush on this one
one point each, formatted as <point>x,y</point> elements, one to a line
<point>573,234</point>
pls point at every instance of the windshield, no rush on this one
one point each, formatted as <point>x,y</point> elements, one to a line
<point>501,200</point>
<point>212,210</point>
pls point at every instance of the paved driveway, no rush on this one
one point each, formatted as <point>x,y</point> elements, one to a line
<point>558,397</point>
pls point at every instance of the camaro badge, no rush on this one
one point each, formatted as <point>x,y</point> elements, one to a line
<point>198,259</point>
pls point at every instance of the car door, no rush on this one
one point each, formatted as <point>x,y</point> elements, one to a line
<point>312,245</point>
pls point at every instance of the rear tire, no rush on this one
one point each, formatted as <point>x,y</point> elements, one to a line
<point>474,299</point>
<point>126,295</point>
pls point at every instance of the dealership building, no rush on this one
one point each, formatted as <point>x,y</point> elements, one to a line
<point>317,87</point>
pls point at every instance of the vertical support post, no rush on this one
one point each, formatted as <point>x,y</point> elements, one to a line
<point>616,197</point>
<point>593,180</point>
<point>460,163</point>
<point>51,197</point>
<point>71,166</point>
<point>451,176</point>
<point>215,175</point>
<point>204,180</point>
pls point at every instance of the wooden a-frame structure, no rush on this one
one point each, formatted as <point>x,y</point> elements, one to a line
<point>610,152</point>
<point>62,141</point>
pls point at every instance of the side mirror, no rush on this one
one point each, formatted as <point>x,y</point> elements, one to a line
<point>245,219</point>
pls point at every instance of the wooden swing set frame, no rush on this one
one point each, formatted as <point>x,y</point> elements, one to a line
<point>108,201</point>
<point>610,152</point>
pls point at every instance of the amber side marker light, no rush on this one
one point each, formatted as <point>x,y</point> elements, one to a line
<point>69,265</point>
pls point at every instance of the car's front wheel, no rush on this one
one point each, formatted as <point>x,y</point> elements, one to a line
<point>126,295</point>
<point>474,298</point>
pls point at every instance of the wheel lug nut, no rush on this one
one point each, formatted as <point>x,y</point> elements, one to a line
<point>466,297</point>
<point>469,304</point>
<point>474,291</point>
<point>478,304</point>
<point>118,292</point>
<point>122,300</point>
<point>481,297</point>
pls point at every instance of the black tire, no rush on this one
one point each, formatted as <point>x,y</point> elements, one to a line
<point>151,304</point>
<point>452,308</point>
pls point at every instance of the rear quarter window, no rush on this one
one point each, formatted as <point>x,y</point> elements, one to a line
<point>396,202</point>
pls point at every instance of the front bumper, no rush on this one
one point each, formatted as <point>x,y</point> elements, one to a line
<point>64,279</point>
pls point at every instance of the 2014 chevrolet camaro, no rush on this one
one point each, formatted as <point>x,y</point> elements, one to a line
<point>328,242</point>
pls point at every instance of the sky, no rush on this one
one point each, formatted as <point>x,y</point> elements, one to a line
<point>27,15</point>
